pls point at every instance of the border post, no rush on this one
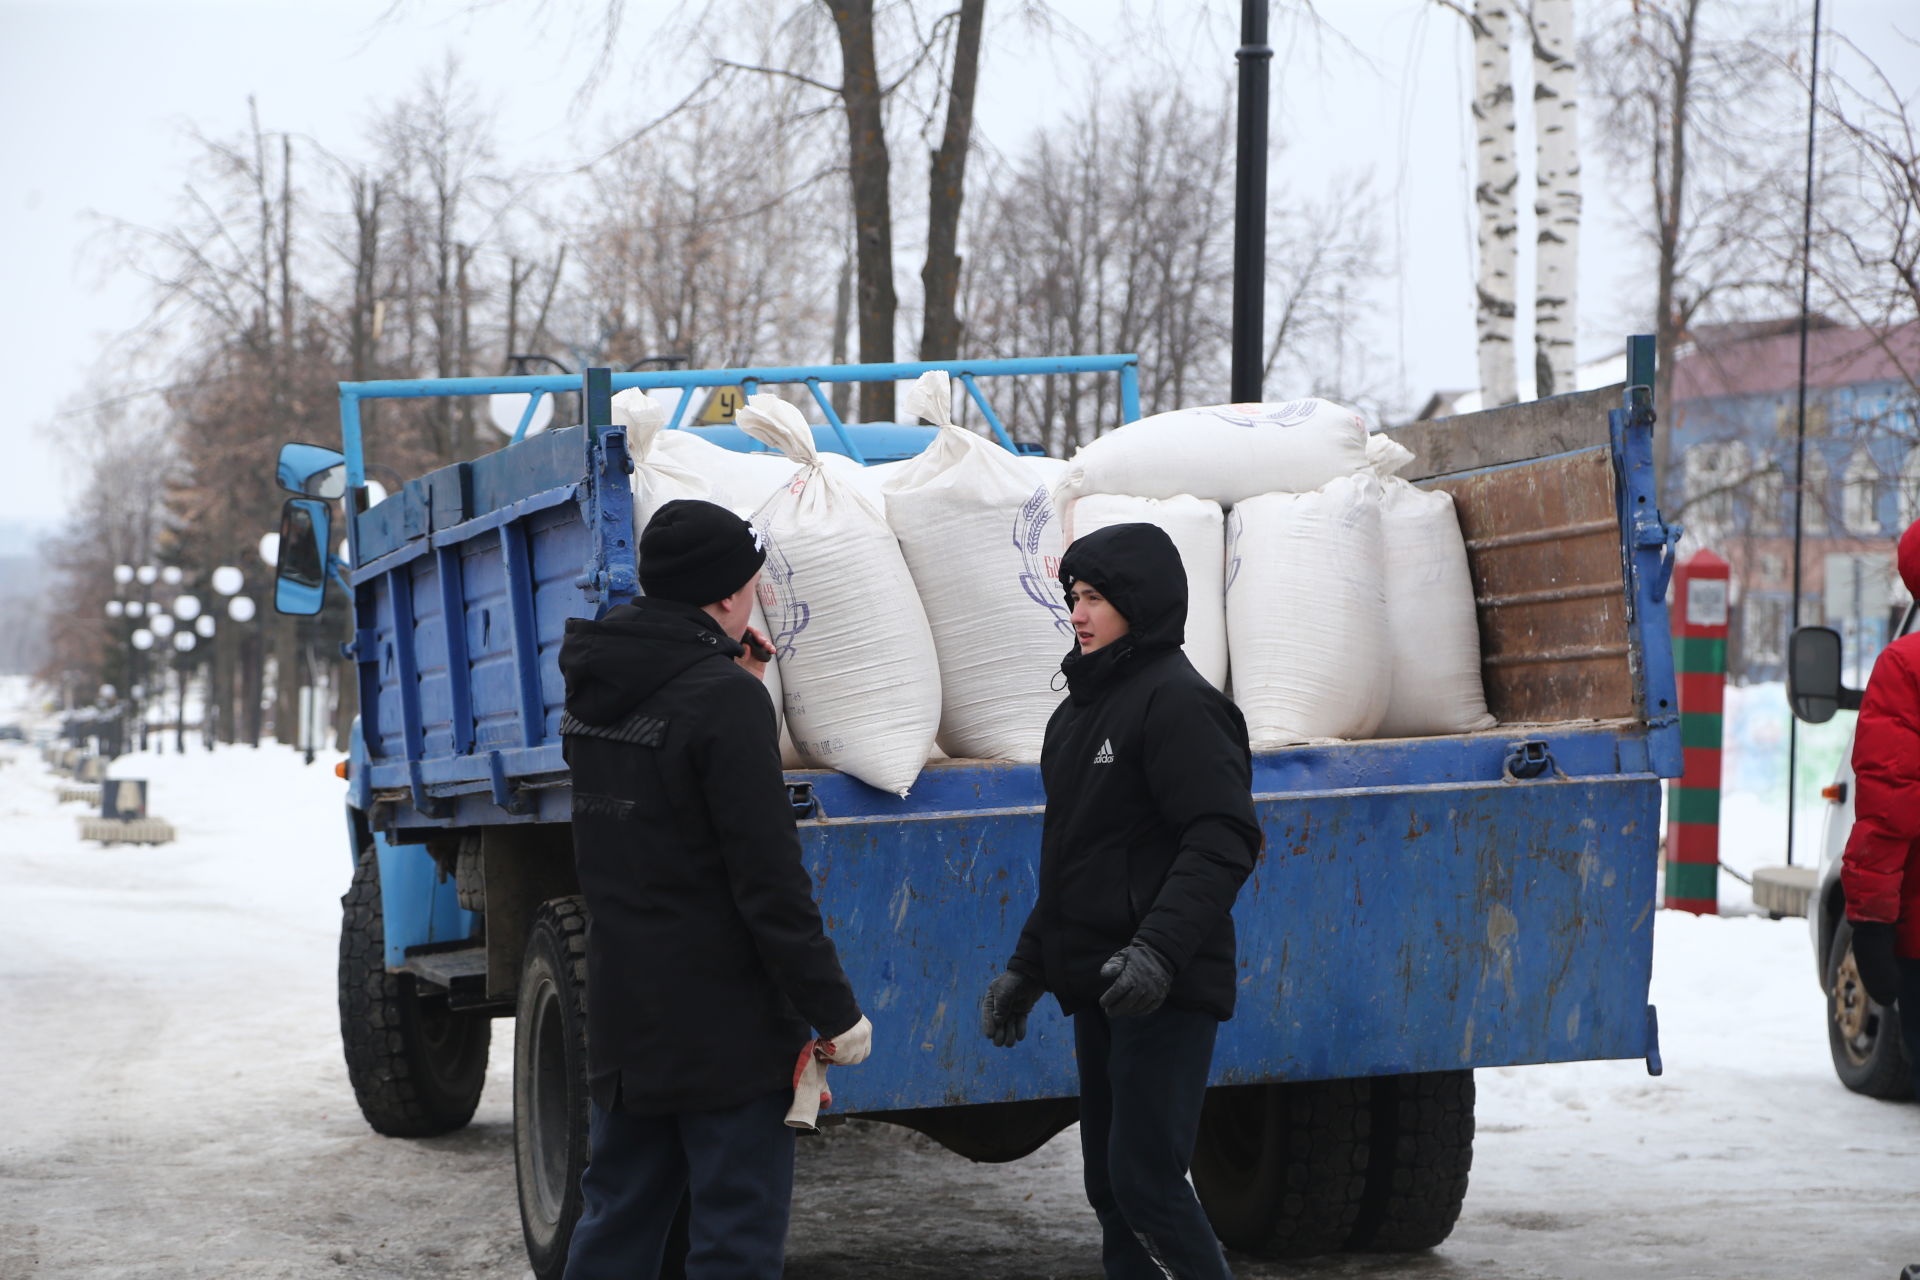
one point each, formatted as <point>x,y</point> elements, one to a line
<point>1693,799</point>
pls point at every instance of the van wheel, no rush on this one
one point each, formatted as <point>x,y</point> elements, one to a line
<point>1863,1037</point>
<point>417,1067</point>
<point>1417,1171</point>
<point>1281,1168</point>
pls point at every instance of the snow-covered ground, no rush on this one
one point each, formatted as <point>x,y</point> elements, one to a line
<point>172,1099</point>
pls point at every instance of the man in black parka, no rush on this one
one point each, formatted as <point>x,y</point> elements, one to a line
<point>1149,833</point>
<point>706,962</point>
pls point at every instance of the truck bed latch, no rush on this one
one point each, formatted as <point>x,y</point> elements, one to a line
<point>800,796</point>
<point>1528,760</point>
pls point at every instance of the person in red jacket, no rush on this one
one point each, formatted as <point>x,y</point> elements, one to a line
<point>1880,871</point>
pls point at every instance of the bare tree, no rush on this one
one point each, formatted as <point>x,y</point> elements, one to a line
<point>946,188</point>
<point>1556,204</point>
<point>1114,233</point>
<point>1688,107</point>
<point>1496,212</point>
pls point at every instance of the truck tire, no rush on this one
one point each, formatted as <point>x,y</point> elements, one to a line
<point>417,1067</point>
<point>1422,1150</point>
<point>550,1082</point>
<point>1863,1037</point>
<point>550,1093</point>
<point>1281,1168</point>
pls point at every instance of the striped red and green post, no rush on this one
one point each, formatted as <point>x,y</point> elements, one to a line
<point>1693,799</point>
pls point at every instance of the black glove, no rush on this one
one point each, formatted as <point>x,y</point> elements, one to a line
<point>1874,956</point>
<point>1004,1009</point>
<point>1139,981</point>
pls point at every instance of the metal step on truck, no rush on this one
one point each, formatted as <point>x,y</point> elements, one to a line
<point>1423,907</point>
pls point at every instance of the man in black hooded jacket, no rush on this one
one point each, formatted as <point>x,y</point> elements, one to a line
<point>1149,833</point>
<point>706,962</point>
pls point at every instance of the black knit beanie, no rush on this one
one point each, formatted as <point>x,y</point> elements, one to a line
<point>698,552</point>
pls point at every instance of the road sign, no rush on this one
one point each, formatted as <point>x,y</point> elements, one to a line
<point>720,407</point>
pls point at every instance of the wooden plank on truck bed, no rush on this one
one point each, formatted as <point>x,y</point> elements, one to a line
<point>1512,433</point>
<point>1543,544</point>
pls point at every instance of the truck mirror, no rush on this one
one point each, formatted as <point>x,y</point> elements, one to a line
<point>1813,674</point>
<point>300,577</point>
<point>312,471</point>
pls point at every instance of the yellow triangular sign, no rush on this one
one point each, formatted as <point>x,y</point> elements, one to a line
<point>721,405</point>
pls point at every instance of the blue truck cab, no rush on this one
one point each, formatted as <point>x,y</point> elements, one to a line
<point>1422,907</point>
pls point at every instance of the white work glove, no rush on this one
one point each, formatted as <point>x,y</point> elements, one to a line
<point>851,1047</point>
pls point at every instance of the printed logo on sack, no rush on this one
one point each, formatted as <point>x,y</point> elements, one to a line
<point>1105,754</point>
<point>787,614</point>
<point>1039,572</point>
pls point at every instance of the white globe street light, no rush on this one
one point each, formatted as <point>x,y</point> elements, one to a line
<point>162,625</point>
<point>240,608</point>
<point>146,574</point>
<point>270,549</point>
<point>143,639</point>
<point>115,609</point>
<point>172,575</point>
<point>183,641</point>
<point>228,580</point>
<point>376,493</point>
<point>123,574</point>
<point>153,609</point>
<point>203,626</point>
<point>186,607</point>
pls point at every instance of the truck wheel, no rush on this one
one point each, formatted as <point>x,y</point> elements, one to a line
<point>550,1093</point>
<point>1863,1037</point>
<point>550,1082</point>
<point>1417,1172</point>
<point>416,1066</point>
<point>1281,1168</point>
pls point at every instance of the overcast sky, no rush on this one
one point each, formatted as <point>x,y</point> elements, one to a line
<point>98,100</point>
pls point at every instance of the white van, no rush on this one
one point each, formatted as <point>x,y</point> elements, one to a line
<point>1863,1036</point>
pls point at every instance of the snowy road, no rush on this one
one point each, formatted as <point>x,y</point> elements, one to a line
<point>173,1104</point>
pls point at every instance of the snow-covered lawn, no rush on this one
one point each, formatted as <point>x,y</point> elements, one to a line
<point>172,1099</point>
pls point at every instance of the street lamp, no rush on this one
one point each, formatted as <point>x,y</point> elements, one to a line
<point>146,574</point>
<point>115,609</point>
<point>228,580</point>
<point>183,642</point>
<point>203,626</point>
<point>172,575</point>
<point>240,608</point>
<point>123,574</point>
<point>161,624</point>
<point>186,607</point>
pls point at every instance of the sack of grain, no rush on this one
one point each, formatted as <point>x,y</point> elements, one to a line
<point>856,656</point>
<point>979,533</point>
<point>1224,453</point>
<point>1307,613</point>
<point>658,480</point>
<point>1198,532</point>
<point>1432,624</point>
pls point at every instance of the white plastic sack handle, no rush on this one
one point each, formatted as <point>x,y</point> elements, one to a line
<point>777,424</point>
<point>642,416</point>
<point>931,397</point>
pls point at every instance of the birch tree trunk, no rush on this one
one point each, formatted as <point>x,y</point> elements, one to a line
<point>1494,198</point>
<point>1556,204</point>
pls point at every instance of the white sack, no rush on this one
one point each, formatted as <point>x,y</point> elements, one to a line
<point>1224,453</point>
<point>1307,613</point>
<point>1385,455</point>
<point>1199,535</point>
<point>979,533</point>
<point>1431,619</point>
<point>855,653</point>
<point>740,481</point>
<point>658,481</point>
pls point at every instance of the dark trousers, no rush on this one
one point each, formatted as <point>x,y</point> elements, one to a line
<point>737,1164</point>
<point>1142,1081</point>
<point>1909,1009</point>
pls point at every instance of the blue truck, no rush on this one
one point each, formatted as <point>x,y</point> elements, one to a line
<point>1423,907</point>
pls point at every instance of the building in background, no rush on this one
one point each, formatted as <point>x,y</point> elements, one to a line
<point>1735,394</point>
